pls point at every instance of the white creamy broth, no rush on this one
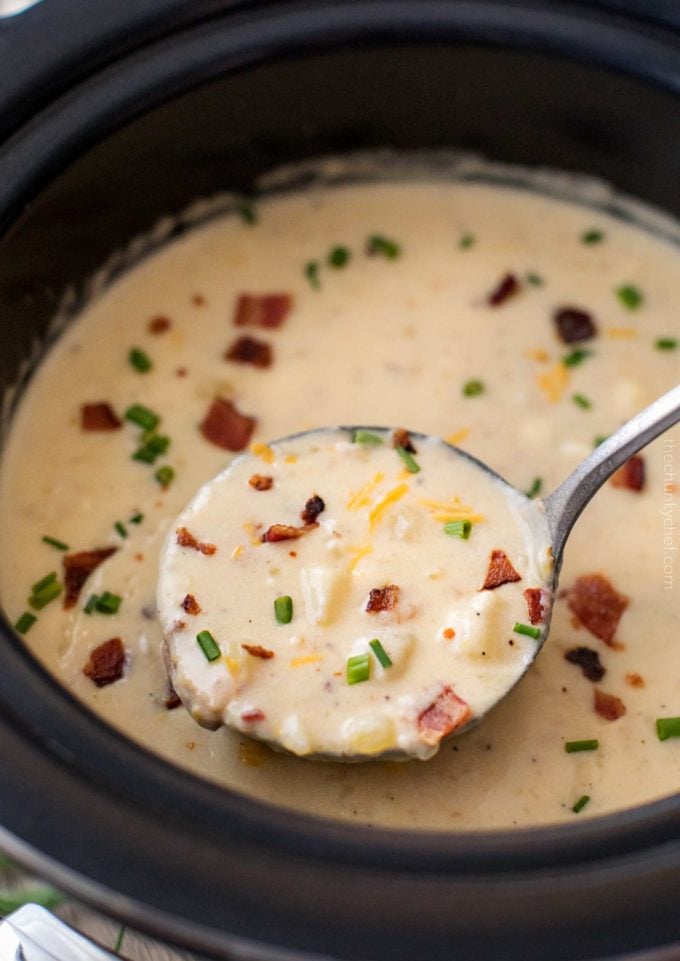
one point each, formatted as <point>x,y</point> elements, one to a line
<point>384,341</point>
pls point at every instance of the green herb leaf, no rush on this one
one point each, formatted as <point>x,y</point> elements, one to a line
<point>366,437</point>
<point>534,279</point>
<point>592,236</point>
<point>581,401</point>
<point>384,246</point>
<point>358,668</point>
<point>466,241</point>
<point>208,645</point>
<point>53,542</point>
<point>142,417</point>
<point>666,343</point>
<point>165,475</point>
<point>43,582</point>
<point>410,463</point>
<point>311,271</point>
<point>283,609</point>
<point>25,622</point>
<point>45,595</point>
<point>120,527</point>
<point>528,630</point>
<point>380,652</point>
<point>600,439</point>
<point>91,605</point>
<point>247,213</point>
<point>472,388</point>
<point>108,603</point>
<point>576,357</point>
<point>667,727</point>
<point>458,529</point>
<point>136,518</point>
<point>151,450</point>
<point>581,803</point>
<point>140,360</point>
<point>339,257</point>
<point>631,297</point>
<point>535,488</point>
<point>572,747</point>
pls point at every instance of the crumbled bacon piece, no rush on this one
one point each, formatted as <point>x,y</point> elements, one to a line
<point>314,506</point>
<point>574,325</point>
<point>198,300</point>
<point>77,569</point>
<point>633,679</point>
<point>588,660</point>
<point>191,605</point>
<point>402,438</point>
<point>262,310</point>
<point>254,714</point>
<point>106,663</point>
<point>256,650</point>
<point>382,599</point>
<point>534,596</point>
<point>446,713</point>
<point>609,706</point>
<point>248,350</point>
<point>284,532</point>
<point>227,427</point>
<point>500,571</point>
<point>506,287</point>
<point>630,475</point>
<point>597,605</point>
<point>99,417</point>
<point>186,539</point>
<point>172,698</point>
<point>260,482</point>
<point>159,325</point>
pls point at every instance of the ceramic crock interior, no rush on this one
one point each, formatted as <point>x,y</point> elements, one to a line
<point>511,105</point>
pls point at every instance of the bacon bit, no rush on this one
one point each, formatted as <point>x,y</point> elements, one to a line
<point>178,626</point>
<point>227,427</point>
<point>292,553</point>
<point>314,506</point>
<point>500,572</point>
<point>630,475</point>
<point>597,605</point>
<point>458,436</point>
<point>191,605</point>
<point>506,288</point>
<point>106,663</point>
<point>449,633</point>
<point>382,599</point>
<point>261,483</point>
<point>77,569</point>
<point>186,539</point>
<point>172,698</point>
<point>254,714</point>
<point>402,438</point>
<point>284,532</point>
<point>446,713</point>
<point>99,417</point>
<point>198,300</point>
<point>588,660</point>
<point>633,679</point>
<point>159,325</point>
<point>609,706</point>
<point>574,325</point>
<point>256,650</point>
<point>181,372</point>
<point>262,310</point>
<point>534,596</point>
<point>554,382</point>
<point>248,350</point>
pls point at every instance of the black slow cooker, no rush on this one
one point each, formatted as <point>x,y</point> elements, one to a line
<point>113,115</point>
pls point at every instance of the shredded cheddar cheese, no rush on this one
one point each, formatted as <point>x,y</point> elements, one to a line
<point>452,510</point>
<point>253,535</point>
<point>359,554</point>
<point>237,551</point>
<point>307,659</point>
<point>263,451</point>
<point>554,382</point>
<point>362,497</point>
<point>458,436</point>
<point>621,333</point>
<point>539,355</point>
<point>290,459</point>
<point>391,497</point>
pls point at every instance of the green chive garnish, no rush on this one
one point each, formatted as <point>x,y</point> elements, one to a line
<point>108,603</point>
<point>576,357</point>
<point>572,747</point>
<point>120,527</point>
<point>339,257</point>
<point>139,360</point>
<point>283,609</point>
<point>458,529</point>
<point>366,437</point>
<point>142,416</point>
<point>311,272</point>
<point>43,582</point>
<point>534,279</point>
<point>25,622</point>
<point>600,439</point>
<point>41,598</point>
<point>91,605</point>
<point>527,629</point>
<point>151,450</point>
<point>378,244</point>
<point>581,401</point>
<point>581,803</point>
<point>409,462</point>
<point>207,644</point>
<point>630,297</point>
<point>666,343</point>
<point>165,475</point>
<point>472,388</point>
<point>380,653</point>
<point>467,241</point>
<point>592,236</point>
<point>535,488</point>
<point>247,213</point>
<point>53,542</point>
<point>136,518</point>
<point>358,668</point>
<point>667,727</point>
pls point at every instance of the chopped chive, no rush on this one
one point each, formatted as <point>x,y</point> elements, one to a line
<point>528,630</point>
<point>165,475</point>
<point>380,652</point>
<point>53,542</point>
<point>136,518</point>
<point>534,279</point>
<point>140,360</point>
<point>582,401</point>
<point>43,582</point>
<point>631,297</point>
<point>41,598</point>
<point>535,488</point>
<point>378,244</point>
<point>311,272</point>
<point>576,357</point>
<point>25,622</point>
<point>339,257</point>
<point>247,213</point>
<point>142,416</point>
<point>592,236</point>
<point>108,603</point>
<point>472,388</point>
<point>667,727</point>
<point>120,527</point>
<point>466,241</point>
<point>572,747</point>
<point>358,668</point>
<point>208,645</point>
<point>458,529</point>
<point>366,437</point>
<point>91,605</point>
<point>600,439</point>
<point>151,450</point>
<point>409,462</point>
<point>581,803</point>
<point>283,609</point>
<point>666,343</point>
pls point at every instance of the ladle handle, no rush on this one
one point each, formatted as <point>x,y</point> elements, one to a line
<point>565,504</point>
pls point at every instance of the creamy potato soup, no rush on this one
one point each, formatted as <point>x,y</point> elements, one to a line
<point>519,327</point>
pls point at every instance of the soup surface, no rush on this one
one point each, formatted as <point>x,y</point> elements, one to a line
<point>518,327</point>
